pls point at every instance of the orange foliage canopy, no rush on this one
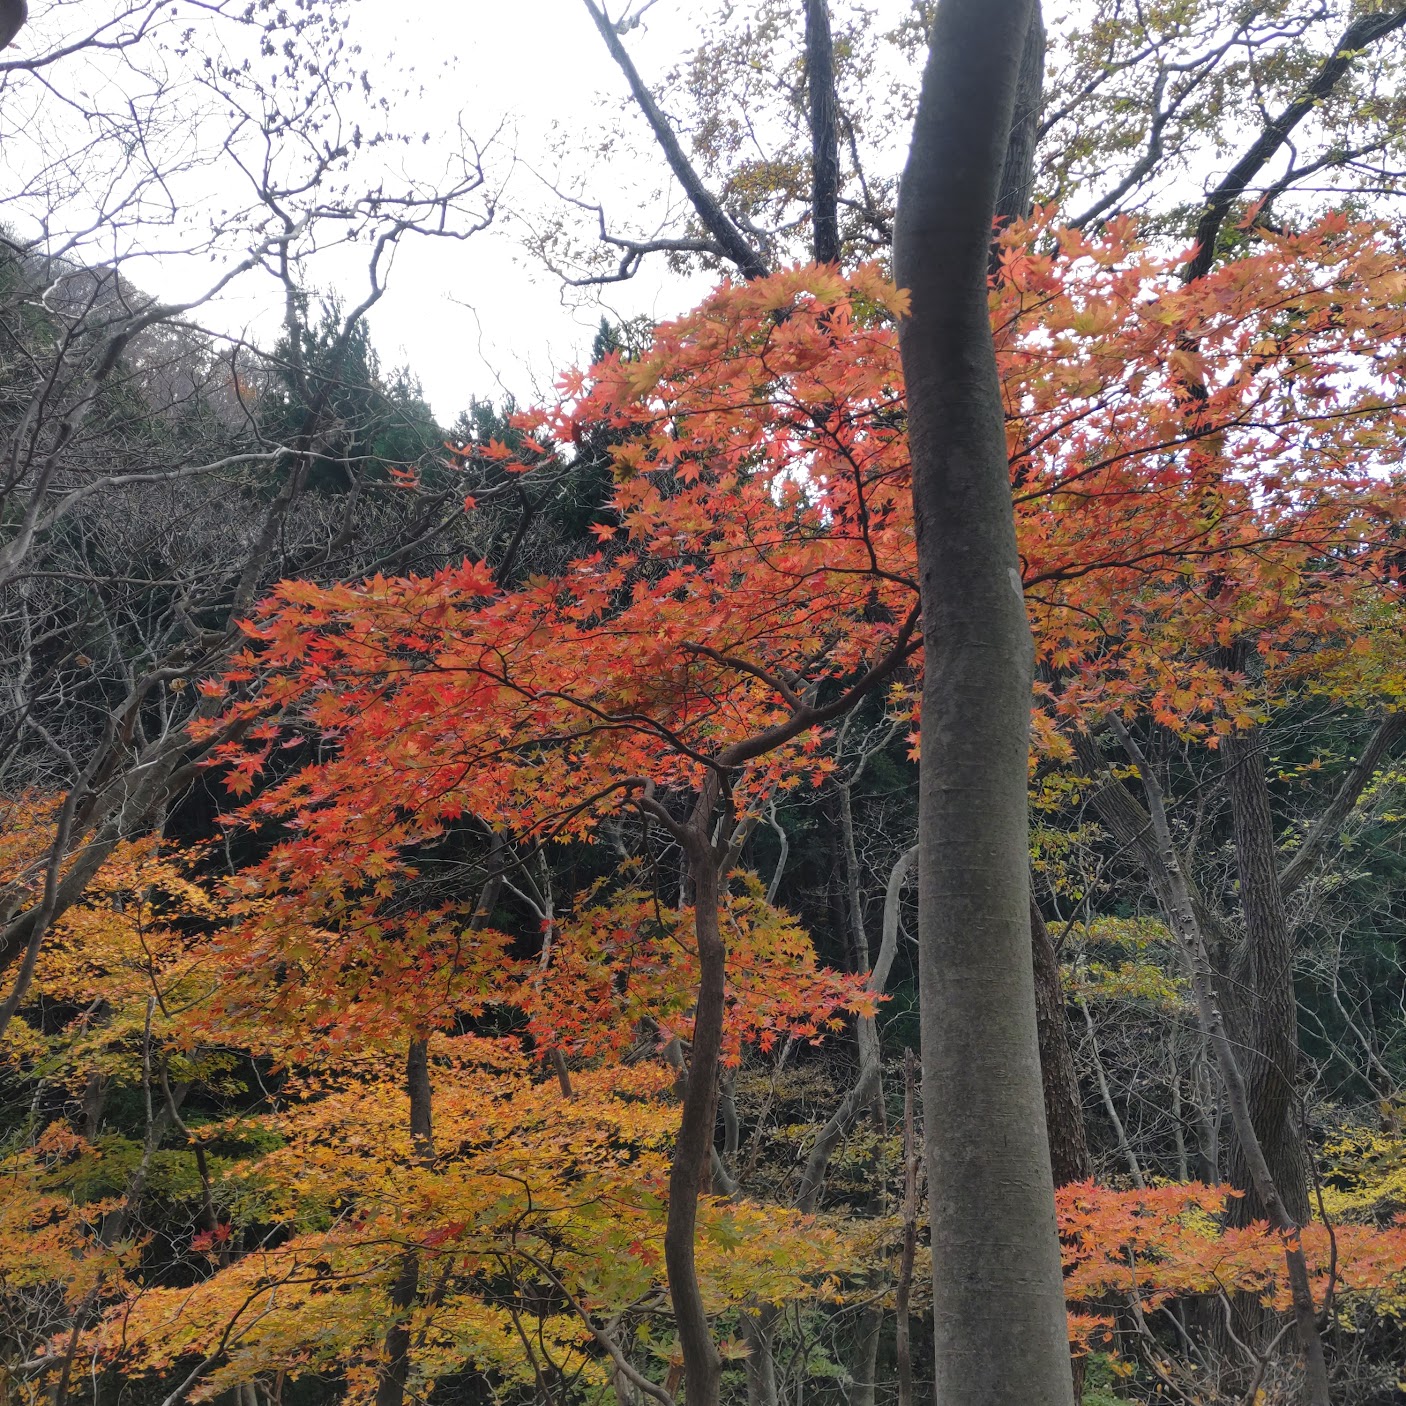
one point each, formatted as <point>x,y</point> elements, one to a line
<point>1166,1242</point>
<point>527,1187</point>
<point>1192,465</point>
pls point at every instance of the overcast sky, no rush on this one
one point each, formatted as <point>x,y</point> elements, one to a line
<point>480,317</point>
<point>467,315</point>
<point>484,317</point>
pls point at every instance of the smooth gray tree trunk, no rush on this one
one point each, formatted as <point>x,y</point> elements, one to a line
<point>999,1317</point>
<point>824,134</point>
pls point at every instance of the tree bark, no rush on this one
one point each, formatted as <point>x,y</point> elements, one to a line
<point>1183,920</point>
<point>13,14</point>
<point>824,134</point>
<point>417,1084</point>
<point>902,1346</point>
<point>761,1360</point>
<point>865,1362</point>
<point>1064,1107</point>
<point>689,1174</point>
<point>393,1375</point>
<point>390,1387</point>
<point>999,1317</point>
<point>1264,1014</point>
<point>1016,193</point>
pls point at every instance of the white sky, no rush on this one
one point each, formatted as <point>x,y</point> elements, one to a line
<point>465,316</point>
<point>480,317</point>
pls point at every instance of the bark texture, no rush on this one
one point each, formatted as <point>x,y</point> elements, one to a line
<point>903,1345</point>
<point>421,1095</point>
<point>1252,973</point>
<point>1182,918</point>
<point>1064,1107</point>
<point>999,1319</point>
<point>390,1387</point>
<point>391,1380</point>
<point>1264,1013</point>
<point>760,1363</point>
<point>1070,1159</point>
<point>689,1175</point>
<point>824,134</point>
<point>1016,193</point>
<point>13,14</point>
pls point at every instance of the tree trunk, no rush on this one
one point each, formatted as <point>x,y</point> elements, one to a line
<point>1064,1106</point>
<point>13,14</point>
<point>865,1363</point>
<point>1016,194</point>
<point>868,1028</point>
<point>390,1386</point>
<point>902,1345</point>
<point>999,1318</point>
<point>417,1085</point>
<point>1184,922</point>
<point>689,1174</point>
<point>761,1360</point>
<point>824,134</point>
<point>1264,1014</point>
<point>853,883</point>
<point>93,1089</point>
<point>1070,1160</point>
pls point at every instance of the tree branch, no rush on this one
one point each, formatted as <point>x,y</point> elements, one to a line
<point>1360,34</point>
<point>1326,828</point>
<point>734,245</point>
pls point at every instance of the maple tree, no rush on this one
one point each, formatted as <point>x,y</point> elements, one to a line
<point>537,1221</point>
<point>477,1059</point>
<point>754,577</point>
<point>520,1193</point>
<point>758,553</point>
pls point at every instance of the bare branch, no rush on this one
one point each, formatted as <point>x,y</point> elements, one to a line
<point>1361,34</point>
<point>730,239</point>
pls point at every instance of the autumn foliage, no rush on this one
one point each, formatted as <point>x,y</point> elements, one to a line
<point>1193,466</point>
